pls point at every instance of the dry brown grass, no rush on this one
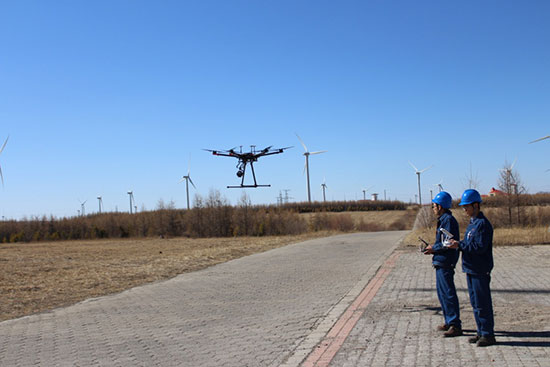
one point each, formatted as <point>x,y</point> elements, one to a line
<point>501,237</point>
<point>36,277</point>
<point>367,221</point>
<point>39,276</point>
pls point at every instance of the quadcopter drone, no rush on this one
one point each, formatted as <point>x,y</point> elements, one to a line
<point>246,158</point>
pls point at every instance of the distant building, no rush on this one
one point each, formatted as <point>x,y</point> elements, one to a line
<point>374,197</point>
<point>495,192</point>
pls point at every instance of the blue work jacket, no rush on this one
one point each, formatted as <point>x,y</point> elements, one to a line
<point>445,257</point>
<point>477,246</point>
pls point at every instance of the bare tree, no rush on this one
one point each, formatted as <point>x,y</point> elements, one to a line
<point>471,181</point>
<point>510,183</point>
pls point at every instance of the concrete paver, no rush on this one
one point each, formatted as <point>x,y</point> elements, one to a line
<point>279,307</point>
<point>398,326</point>
<point>253,311</point>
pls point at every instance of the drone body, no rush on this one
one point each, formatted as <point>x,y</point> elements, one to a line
<point>245,158</point>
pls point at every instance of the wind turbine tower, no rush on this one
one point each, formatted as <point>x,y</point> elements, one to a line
<point>131,195</point>
<point>324,186</point>
<point>307,153</point>
<point>100,201</point>
<point>188,179</point>
<point>418,174</point>
<point>82,212</point>
<point>1,149</point>
<point>440,185</point>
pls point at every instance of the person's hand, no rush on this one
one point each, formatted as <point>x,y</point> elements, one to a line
<point>429,250</point>
<point>454,244</point>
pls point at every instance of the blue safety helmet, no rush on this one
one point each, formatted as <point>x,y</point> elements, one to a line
<point>444,199</point>
<point>470,196</point>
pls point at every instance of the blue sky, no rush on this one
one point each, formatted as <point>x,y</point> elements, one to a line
<point>102,97</point>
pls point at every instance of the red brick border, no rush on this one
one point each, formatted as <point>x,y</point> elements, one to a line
<point>329,346</point>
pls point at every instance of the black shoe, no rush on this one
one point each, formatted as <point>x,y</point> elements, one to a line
<point>443,327</point>
<point>485,341</point>
<point>453,331</point>
<point>473,339</point>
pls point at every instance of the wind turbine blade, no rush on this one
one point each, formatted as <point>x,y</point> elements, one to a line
<point>305,166</point>
<point>425,169</point>
<point>544,137</point>
<point>512,166</point>
<point>1,177</point>
<point>412,165</point>
<point>318,152</point>
<point>4,145</point>
<point>370,188</point>
<point>183,179</point>
<point>190,180</point>
<point>302,142</point>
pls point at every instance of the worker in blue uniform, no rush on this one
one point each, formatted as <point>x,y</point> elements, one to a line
<point>477,263</point>
<point>444,261</point>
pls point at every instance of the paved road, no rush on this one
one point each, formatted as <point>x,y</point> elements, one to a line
<point>268,309</point>
<point>398,327</point>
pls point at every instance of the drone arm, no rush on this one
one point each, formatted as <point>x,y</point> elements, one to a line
<point>269,153</point>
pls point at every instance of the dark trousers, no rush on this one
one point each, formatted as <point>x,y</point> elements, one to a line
<point>480,298</point>
<point>446,292</point>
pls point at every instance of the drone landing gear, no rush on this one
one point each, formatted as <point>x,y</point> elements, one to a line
<point>247,186</point>
<point>241,173</point>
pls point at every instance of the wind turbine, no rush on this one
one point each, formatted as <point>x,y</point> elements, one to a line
<point>418,174</point>
<point>1,149</point>
<point>187,180</point>
<point>508,171</point>
<point>131,195</point>
<point>539,139</point>
<point>324,186</point>
<point>440,185</point>
<point>100,200</point>
<point>307,153</point>
<point>83,212</point>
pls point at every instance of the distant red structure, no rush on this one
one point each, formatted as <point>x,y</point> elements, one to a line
<point>495,192</point>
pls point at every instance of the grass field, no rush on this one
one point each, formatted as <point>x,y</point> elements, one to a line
<point>40,276</point>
